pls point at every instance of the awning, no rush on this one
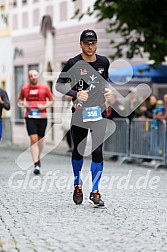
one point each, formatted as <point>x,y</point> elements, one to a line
<point>144,73</point>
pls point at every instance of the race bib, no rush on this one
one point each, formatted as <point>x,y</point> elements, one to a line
<point>91,114</point>
<point>34,113</point>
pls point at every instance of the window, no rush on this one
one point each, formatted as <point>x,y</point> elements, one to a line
<point>19,82</point>
<point>14,3</point>
<point>24,2</point>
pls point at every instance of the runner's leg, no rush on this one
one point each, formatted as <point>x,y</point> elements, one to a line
<point>34,147</point>
<point>41,128</point>
<point>40,144</point>
<point>78,135</point>
<point>98,132</point>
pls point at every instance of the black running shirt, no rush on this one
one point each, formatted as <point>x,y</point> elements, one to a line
<point>82,77</point>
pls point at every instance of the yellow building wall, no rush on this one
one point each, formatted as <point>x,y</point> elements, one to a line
<point>4,18</point>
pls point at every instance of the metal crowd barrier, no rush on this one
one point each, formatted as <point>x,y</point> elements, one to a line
<point>118,142</point>
<point>6,130</point>
<point>138,139</point>
<point>148,139</point>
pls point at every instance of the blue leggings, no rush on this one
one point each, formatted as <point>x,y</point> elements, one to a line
<point>0,129</point>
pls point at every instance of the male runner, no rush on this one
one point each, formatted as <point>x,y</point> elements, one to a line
<point>36,98</point>
<point>89,96</point>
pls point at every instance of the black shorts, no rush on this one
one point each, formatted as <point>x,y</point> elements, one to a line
<point>36,126</point>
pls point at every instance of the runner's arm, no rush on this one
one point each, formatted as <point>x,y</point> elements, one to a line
<point>4,101</point>
<point>22,103</point>
<point>63,83</point>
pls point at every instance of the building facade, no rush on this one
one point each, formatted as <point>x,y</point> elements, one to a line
<point>6,62</point>
<point>44,37</point>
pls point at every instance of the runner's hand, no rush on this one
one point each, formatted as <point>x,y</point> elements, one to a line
<point>107,94</point>
<point>41,106</point>
<point>22,104</point>
<point>82,95</point>
<point>1,101</point>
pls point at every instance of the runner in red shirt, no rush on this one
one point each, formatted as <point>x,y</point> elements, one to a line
<point>36,98</point>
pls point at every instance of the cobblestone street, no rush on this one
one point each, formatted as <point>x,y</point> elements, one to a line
<point>38,215</point>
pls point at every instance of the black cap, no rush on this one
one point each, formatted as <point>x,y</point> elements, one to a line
<point>88,35</point>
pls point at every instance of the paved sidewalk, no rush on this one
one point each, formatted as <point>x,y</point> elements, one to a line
<point>36,216</point>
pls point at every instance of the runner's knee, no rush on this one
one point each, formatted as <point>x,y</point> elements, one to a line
<point>34,139</point>
<point>76,155</point>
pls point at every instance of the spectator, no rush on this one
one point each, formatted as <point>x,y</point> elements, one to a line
<point>151,105</point>
<point>165,106</point>
<point>111,113</point>
<point>131,105</point>
<point>4,104</point>
<point>156,139</point>
<point>142,111</point>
